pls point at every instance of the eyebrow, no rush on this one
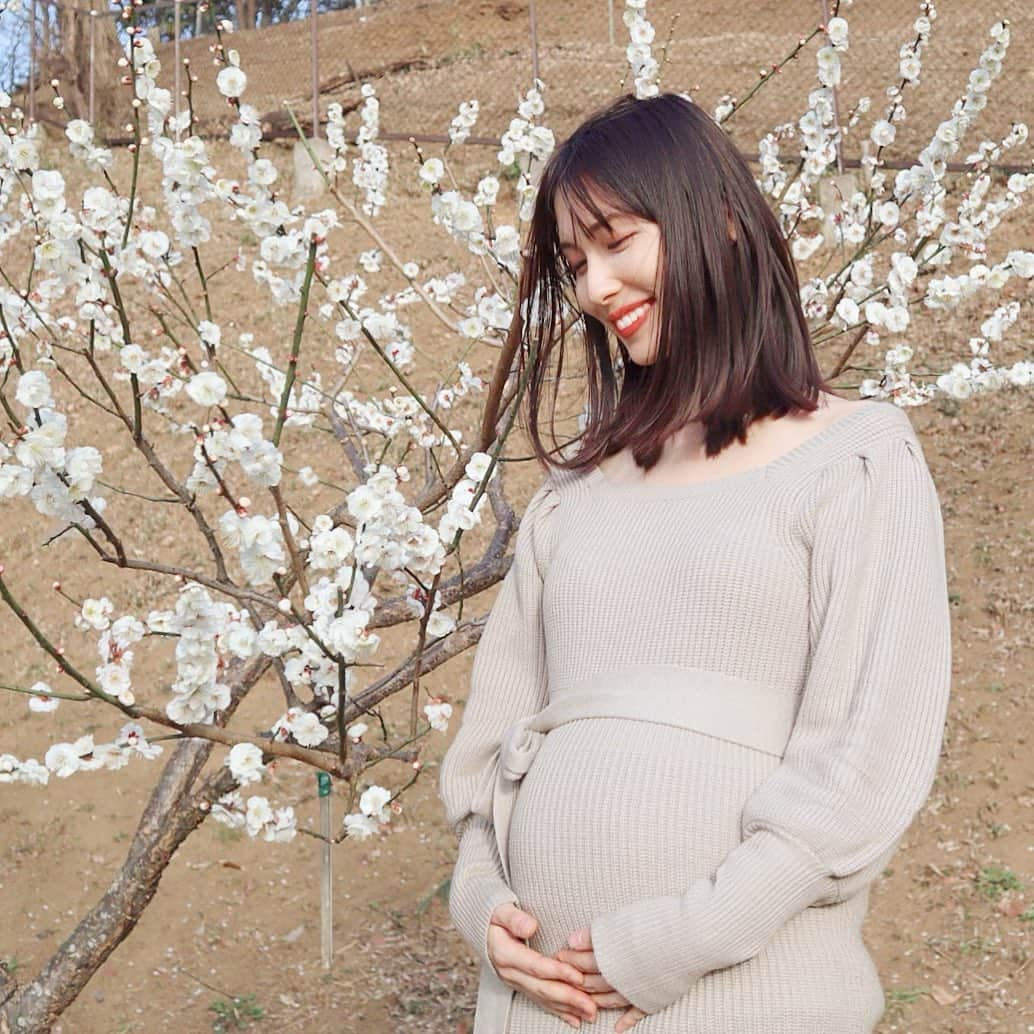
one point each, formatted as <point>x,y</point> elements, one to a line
<point>591,229</point>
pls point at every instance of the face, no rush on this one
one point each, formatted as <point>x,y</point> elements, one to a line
<point>616,273</point>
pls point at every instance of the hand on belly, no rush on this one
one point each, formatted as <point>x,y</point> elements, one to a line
<point>579,954</point>
<point>550,983</point>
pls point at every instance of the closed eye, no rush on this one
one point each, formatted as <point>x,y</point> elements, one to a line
<point>577,267</point>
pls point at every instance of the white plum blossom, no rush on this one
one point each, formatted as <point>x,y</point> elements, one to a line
<point>95,613</point>
<point>260,818</point>
<point>207,389</point>
<point>115,680</point>
<point>837,33</point>
<point>83,466</point>
<point>303,726</point>
<point>231,81</point>
<point>356,730</point>
<point>374,802</point>
<point>828,66</point>
<point>432,171</point>
<point>883,133</point>
<point>360,827</point>
<point>438,713</point>
<point>245,763</point>
<point>131,740</point>
<point>41,702</point>
<point>65,759</point>
<point>34,390</point>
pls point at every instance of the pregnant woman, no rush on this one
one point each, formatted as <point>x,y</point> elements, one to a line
<point>710,697</point>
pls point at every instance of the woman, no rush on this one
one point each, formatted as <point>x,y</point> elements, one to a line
<point>710,697</point>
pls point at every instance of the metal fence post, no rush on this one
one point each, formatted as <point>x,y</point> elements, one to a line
<point>314,48</point>
<point>32,62</point>
<point>534,41</point>
<point>177,88</point>
<point>93,62</point>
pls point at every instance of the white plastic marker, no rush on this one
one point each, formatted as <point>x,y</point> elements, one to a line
<point>326,883</point>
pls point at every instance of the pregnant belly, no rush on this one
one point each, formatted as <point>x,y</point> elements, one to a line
<point>613,810</point>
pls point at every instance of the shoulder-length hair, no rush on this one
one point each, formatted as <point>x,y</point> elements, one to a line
<point>734,344</point>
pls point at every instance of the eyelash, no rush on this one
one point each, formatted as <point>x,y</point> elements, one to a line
<point>610,247</point>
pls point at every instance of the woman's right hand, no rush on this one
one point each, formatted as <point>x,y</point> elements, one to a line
<point>548,982</point>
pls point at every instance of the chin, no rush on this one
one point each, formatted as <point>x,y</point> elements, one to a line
<point>643,360</point>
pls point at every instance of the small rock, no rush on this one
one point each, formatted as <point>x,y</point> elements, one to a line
<point>291,937</point>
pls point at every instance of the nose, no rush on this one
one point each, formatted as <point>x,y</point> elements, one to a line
<point>601,286</point>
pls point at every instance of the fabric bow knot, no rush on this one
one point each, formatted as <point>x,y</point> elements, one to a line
<point>519,747</point>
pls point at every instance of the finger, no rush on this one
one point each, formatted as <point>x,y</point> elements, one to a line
<point>610,1000</point>
<point>560,997</point>
<point>583,960</point>
<point>514,921</point>
<point>596,983</point>
<point>516,955</point>
<point>629,1019</point>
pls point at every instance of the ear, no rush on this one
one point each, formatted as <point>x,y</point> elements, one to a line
<point>732,226</point>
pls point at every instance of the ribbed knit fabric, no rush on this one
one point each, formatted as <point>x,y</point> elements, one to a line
<point>724,879</point>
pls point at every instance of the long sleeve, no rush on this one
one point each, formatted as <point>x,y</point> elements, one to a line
<point>508,682</point>
<point>865,743</point>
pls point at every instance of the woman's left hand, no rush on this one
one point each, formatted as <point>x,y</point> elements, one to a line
<point>579,954</point>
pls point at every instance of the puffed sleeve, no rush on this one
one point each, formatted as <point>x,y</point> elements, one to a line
<point>865,744</point>
<point>508,682</point>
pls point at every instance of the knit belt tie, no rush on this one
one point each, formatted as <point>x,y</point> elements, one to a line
<point>755,715</point>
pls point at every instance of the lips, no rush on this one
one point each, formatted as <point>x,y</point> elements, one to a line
<point>629,318</point>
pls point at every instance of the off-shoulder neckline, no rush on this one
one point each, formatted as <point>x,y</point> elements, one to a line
<point>859,415</point>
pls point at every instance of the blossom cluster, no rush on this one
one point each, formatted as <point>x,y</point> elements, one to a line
<point>373,813</point>
<point>464,122</point>
<point>207,632</point>
<point>319,570</point>
<point>256,817</point>
<point>370,169</point>
<point>81,755</point>
<point>641,61</point>
<point>57,479</point>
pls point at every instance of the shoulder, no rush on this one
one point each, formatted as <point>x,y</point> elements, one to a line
<point>558,485</point>
<point>879,459</point>
<point>875,433</point>
<point>539,525</point>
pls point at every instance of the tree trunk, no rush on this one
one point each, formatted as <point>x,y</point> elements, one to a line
<point>69,61</point>
<point>173,812</point>
<point>171,816</point>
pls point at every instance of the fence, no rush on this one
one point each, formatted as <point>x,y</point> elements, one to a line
<point>426,56</point>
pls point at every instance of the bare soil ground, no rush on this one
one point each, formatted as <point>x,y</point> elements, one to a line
<point>950,922</point>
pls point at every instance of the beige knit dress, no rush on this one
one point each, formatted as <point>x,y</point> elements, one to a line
<point>701,717</point>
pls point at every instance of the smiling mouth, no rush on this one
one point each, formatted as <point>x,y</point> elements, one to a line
<point>632,321</point>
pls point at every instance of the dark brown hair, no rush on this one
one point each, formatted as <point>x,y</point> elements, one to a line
<point>734,343</point>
